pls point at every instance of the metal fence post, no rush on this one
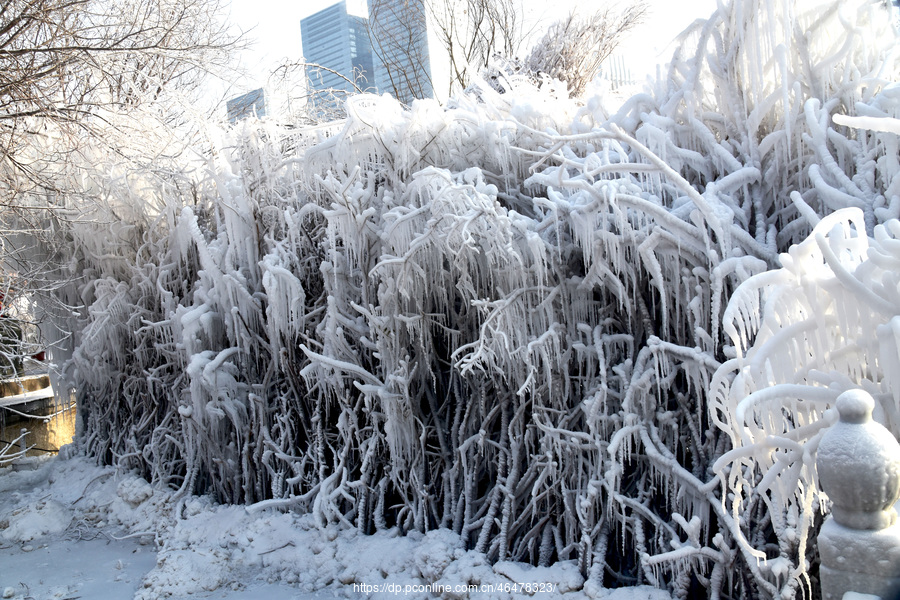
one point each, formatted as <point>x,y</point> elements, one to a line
<point>858,464</point>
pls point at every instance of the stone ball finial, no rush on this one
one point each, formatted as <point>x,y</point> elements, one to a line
<point>858,463</point>
<point>855,406</point>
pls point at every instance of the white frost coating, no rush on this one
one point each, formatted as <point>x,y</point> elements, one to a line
<point>858,463</point>
<point>882,124</point>
<point>814,340</point>
<point>859,468</point>
<point>503,317</point>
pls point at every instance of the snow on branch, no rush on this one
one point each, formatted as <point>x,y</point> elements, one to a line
<point>822,324</point>
<point>558,330</point>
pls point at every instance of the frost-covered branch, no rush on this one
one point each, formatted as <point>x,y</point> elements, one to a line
<point>553,329</point>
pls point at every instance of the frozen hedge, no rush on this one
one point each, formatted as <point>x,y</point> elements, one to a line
<point>514,316</point>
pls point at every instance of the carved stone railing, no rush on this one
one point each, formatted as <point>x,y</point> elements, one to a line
<point>858,463</point>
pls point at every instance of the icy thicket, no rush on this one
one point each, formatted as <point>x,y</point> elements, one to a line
<point>505,316</point>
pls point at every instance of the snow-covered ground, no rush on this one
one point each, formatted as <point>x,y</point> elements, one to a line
<point>70,529</point>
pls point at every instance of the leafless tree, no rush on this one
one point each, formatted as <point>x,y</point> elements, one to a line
<point>398,34</point>
<point>60,59</point>
<point>468,32</point>
<point>67,65</point>
<point>77,76</point>
<point>300,102</point>
<point>472,32</point>
<point>574,48</point>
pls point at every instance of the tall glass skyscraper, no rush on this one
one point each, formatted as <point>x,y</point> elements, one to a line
<point>400,48</point>
<point>340,43</point>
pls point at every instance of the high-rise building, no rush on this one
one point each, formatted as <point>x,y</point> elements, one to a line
<point>400,48</point>
<point>339,44</point>
<point>250,104</point>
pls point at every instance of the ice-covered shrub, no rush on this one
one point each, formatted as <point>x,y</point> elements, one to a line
<point>503,316</point>
<point>824,323</point>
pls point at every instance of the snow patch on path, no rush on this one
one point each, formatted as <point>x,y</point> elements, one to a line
<point>29,522</point>
<point>70,528</point>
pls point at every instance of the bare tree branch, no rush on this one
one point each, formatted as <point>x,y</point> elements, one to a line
<point>472,32</point>
<point>79,78</point>
<point>574,48</point>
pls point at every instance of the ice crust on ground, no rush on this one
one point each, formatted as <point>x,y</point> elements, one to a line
<point>111,535</point>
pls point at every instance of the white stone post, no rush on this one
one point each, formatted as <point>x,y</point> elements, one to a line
<point>858,463</point>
